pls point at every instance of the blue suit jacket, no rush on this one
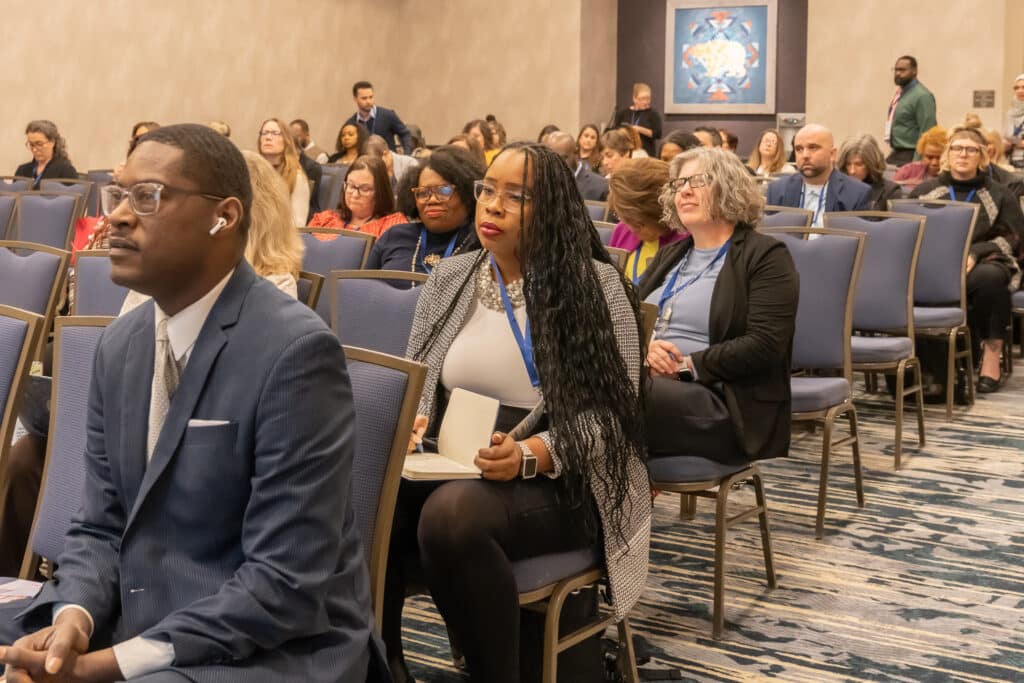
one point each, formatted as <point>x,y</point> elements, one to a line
<point>844,193</point>
<point>388,125</point>
<point>237,542</point>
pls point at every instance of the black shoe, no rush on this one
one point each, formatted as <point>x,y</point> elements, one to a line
<point>987,385</point>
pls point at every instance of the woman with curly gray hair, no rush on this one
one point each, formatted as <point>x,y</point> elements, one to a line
<point>862,159</point>
<point>49,154</point>
<point>727,298</point>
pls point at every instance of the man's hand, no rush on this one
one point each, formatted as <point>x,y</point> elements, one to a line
<point>49,654</point>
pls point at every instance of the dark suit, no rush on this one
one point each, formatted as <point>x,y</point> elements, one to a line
<point>236,543</point>
<point>315,174</point>
<point>591,185</point>
<point>387,125</point>
<point>882,192</point>
<point>751,324</point>
<point>57,168</point>
<point>844,193</point>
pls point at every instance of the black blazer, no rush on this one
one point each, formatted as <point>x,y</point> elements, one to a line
<point>315,174</point>
<point>752,321</point>
<point>591,185</point>
<point>387,125</point>
<point>882,192</point>
<point>57,168</point>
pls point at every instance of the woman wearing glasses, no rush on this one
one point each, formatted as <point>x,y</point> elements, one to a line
<point>437,195</point>
<point>49,154</point>
<point>992,270</point>
<point>541,321</point>
<point>276,145</point>
<point>366,204</point>
<point>727,298</point>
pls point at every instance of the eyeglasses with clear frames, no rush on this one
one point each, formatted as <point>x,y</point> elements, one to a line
<point>512,201</point>
<point>969,150</point>
<point>695,181</point>
<point>39,144</point>
<point>143,198</point>
<point>441,193</point>
<point>271,133</point>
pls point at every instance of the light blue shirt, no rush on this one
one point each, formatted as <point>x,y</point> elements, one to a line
<point>814,201</point>
<point>689,321</point>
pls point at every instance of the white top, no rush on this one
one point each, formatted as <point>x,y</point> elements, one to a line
<point>300,199</point>
<point>484,358</point>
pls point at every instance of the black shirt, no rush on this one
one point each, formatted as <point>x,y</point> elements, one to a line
<point>399,248</point>
<point>57,168</point>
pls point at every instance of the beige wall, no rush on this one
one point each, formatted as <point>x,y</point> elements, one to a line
<point>598,60</point>
<point>109,63</point>
<point>960,47</point>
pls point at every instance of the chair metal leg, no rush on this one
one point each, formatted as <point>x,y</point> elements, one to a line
<point>969,362</point>
<point>950,374</point>
<point>916,364</point>
<point>766,536</point>
<point>549,665</point>
<point>826,449</point>
<point>627,655</point>
<point>858,474</point>
<point>901,369</point>
<point>721,527</point>
<point>687,506</point>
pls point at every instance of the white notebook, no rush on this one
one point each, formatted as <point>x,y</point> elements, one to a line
<point>466,428</point>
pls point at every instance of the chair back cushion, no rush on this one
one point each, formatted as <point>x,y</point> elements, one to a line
<point>65,473</point>
<point>13,334</point>
<point>330,186</point>
<point>321,257</point>
<point>372,314</point>
<point>947,229</point>
<point>785,217</point>
<point>597,210</point>
<point>884,282</point>
<point>7,204</point>
<point>98,179</point>
<point>15,185</point>
<point>26,281</point>
<point>95,292</point>
<point>826,266</point>
<point>46,219</point>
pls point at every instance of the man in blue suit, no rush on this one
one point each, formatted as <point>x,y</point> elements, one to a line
<point>378,120</point>
<point>216,541</point>
<point>818,187</point>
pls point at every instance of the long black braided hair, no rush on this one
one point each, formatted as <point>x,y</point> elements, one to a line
<point>575,348</point>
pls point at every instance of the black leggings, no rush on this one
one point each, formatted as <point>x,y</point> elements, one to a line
<point>688,418</point>
<point>988,302</point>
<point>467,535</point>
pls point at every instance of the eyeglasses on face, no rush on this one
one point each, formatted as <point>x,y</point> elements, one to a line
<point>39,144</point>
<point>969,150</point>
<point>695,181</point>
<point>512,201</point>
<point>441,193</point>
<point>358,190</point>
<point>143,198</point>
<point>270,133</point>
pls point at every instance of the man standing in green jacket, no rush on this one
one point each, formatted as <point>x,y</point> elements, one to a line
<point>911,112</point>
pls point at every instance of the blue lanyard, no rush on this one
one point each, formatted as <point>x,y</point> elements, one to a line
<point>670,289</point>
<point>523,338</point>
<point>423,252</point>
<point>952,194</point>
<point>636,262</point>
<point>821,201</point>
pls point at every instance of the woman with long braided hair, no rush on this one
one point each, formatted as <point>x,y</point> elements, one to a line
<point>543,280</point>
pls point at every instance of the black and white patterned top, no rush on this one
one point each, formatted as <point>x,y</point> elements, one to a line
<point>626,560</point>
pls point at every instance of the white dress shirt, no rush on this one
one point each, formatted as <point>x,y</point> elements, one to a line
<point>139,656</point>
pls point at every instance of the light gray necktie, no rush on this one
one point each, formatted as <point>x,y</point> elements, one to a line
<point>165,383</point>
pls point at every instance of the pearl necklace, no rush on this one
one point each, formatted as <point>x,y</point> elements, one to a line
<point>490,295</point>
<point>430,259</point>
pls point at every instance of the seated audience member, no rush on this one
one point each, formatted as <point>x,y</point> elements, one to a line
<point>818,187</point>
<point>730,141</point>
<point>471,145</point>
<point>367,203</point>
<point>480,131</point>
<point>273,248</point>
<point>138,130</point>
<point>675,143</point>
<point>591,185</point>
<point>633,196</point>
<point>992,270</point>
<point>396,164</point>
<point>305,144</point>
<point>499,137</point>
<point>863,159</point>
<point>573,474</point>
<point>769,155</point>
<point>437,196</point>
<point>351,143</point>
<point>998,169</point>
<point>588,147</point>
<point>638,150</point>
<point>931,147</point>
<point>616,146</point>
<point>239,592</point>
<point>708,136</point>
<point>49,154</point>
<point>641,116</point>
<point>545,131</point>
<point>221,127</point>
<point>727,299</point>
<point>276,146</point>
<point>419,143</point>
<point>1014,130</point>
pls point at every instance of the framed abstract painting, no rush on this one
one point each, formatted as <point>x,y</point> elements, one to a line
<point>720,56</point>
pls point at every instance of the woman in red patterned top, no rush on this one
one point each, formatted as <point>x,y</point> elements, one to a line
<point>367,202</point>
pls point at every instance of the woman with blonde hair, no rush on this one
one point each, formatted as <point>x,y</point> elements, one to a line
<point>769,155</point>
<point>276,145</point>
<point>274,249</point>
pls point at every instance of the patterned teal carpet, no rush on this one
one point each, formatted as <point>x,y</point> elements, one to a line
<point>925,583</point>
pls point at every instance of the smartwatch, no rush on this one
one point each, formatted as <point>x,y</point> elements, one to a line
<point>528,468</point>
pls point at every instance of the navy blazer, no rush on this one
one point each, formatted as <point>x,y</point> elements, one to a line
<point>387,125</point>
<point>844,193</point>
<point>237,543</point>
<point>591,185</point>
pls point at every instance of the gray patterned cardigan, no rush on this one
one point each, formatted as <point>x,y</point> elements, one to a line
<point>626,562</point>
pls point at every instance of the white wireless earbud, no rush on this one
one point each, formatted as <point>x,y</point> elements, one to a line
<point>218,226</point>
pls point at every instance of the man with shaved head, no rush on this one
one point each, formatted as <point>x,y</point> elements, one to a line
<point>591,185</point>
<point>818,187</point>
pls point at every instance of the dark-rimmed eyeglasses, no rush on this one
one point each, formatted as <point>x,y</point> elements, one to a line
<point>359,190</point>
<point>143,198</point>
<point>969,150</point>
<point>695,181</point>
<point>441,193</point>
